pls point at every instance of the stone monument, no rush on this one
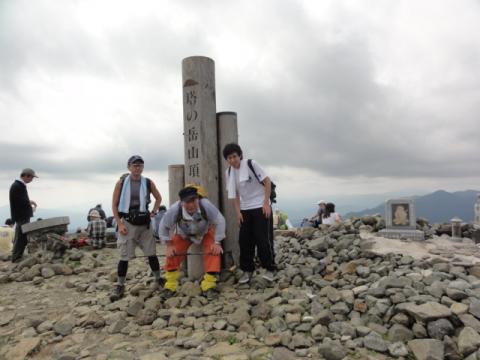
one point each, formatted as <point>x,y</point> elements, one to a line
<point>401,221</point>
<point>47,235</point>
<point>204,134</point>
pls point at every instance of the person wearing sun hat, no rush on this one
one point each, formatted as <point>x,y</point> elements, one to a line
<point>21,210</point>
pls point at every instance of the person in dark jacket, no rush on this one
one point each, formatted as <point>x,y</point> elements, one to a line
<point>21,210</point>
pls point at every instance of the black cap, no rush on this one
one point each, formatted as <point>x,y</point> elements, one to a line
<point>135,159</point>
<point>188,193</point>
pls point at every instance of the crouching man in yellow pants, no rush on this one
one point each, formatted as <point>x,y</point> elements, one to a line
<point>192,220</point>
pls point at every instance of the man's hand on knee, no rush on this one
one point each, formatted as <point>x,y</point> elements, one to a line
<point>170,251</point>
<point>216,249</point>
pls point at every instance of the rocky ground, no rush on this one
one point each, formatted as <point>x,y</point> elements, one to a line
<point>338,294</point>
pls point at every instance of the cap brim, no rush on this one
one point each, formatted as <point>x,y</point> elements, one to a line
<point>190,197</point>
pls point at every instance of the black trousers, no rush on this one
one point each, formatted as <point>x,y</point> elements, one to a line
<point>20,241</point>
<point>256,231</point>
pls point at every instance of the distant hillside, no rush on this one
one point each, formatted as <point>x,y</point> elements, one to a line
<point>439,206</point>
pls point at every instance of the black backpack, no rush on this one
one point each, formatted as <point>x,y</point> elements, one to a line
<point>273,192</point>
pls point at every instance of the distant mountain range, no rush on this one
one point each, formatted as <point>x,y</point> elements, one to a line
<point>439,206</point>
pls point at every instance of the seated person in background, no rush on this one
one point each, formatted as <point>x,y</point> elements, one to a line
<point>96,229</point>
<point>317,218</point>
<point>277,218</point>
<point>330,217</point>
<point>7,233</point>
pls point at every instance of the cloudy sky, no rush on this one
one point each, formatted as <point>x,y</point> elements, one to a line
<point>333,97</point>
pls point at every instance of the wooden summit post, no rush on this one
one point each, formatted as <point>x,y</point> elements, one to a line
<point>227,133</point>
<point>200,135</point>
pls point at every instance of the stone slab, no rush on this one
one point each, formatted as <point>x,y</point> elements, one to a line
<point>46,223</point>
<point>401,234</point>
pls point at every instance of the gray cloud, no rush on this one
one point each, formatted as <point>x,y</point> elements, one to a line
<point>306,100</point>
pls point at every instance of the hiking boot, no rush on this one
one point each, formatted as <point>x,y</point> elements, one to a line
<point>167,294</point>
<point>158,284</point>
<point>269,276</point>
<point>245,278</point>
<point>117,292</point>
<point>211,294</point>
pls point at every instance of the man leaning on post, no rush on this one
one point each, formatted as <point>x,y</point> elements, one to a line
<point>192,220</point>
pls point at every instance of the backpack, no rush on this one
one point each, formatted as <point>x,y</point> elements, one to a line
<point>273,192</point>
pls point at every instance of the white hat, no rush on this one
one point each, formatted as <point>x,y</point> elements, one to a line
<point>321,202</point>
<point>94,214</point>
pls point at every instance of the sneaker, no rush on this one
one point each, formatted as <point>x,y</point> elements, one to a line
<point>117,292</point>
<point>269,276</point>
<point>211,294</point>
<point>245,278</point>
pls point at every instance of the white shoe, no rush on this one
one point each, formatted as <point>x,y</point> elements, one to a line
<point>268,275</point>
<point>245,278</point>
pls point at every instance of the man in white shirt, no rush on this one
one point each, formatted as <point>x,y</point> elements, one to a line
<point>250,187</point>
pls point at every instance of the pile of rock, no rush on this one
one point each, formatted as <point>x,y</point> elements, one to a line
<point>44,264</point>
<point>375,223</point>
<point>392,304</point>
<point>333,297</point>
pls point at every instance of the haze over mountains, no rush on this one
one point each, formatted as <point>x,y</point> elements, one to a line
<point>439,206</point>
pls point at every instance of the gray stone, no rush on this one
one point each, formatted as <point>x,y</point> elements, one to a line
<point>146,317</point>
<point>373,341</point>
<point>324,317</point>
<point>135,308</point>
<point>427,349</point>
<point>474,308</point>
<point>459,308</point>
<point>468,341</point>
<point>437,329</point>
<point>240,316</point>
<point>459,284</point>
<point>363,271</point>
<point>64,326</point>
<point>281,353</point>
<point>301,341</point>
<point>319,332</point>
<point>399,333</point>
<point>470,321</point>
<point>47,272</point>
<point>456,294</point>
<point>45,326</point>
<point>419,330</point>
<point>340,308</point>
<point>117,326</point>
<point>332,351</point>
<point>342,328</point>
<point>190,289</point>
<point>398,349</point>
<point>451,349</point>
<point>94,320</point>
<point>428,311</point>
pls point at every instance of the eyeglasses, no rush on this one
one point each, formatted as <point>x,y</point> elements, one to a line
<point>137,165</point>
